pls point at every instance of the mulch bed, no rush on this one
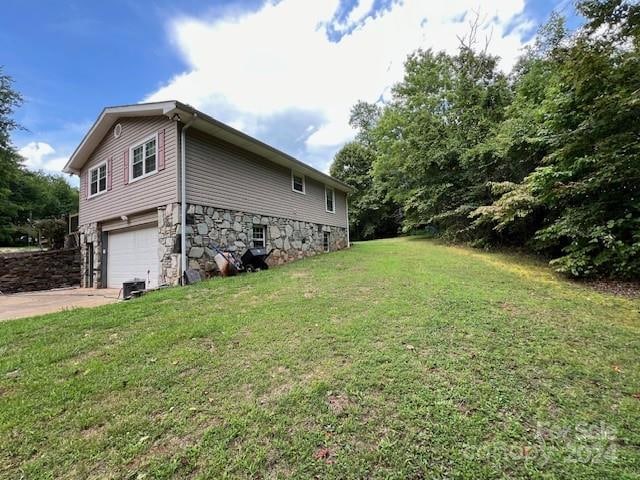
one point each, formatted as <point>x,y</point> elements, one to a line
<point>624,289</point>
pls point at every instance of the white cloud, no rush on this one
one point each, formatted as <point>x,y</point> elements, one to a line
<point>40,156</point>
<point>362,8</point>
<point>245,69</point>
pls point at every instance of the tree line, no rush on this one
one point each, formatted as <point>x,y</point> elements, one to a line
<point>31,203</point>
<point>546,157</point>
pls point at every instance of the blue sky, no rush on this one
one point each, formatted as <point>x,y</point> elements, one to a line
<point>285,72</point>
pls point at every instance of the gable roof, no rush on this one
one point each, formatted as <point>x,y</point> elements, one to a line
<point>201,121</point>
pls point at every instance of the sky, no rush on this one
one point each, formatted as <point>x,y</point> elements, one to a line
<point>286,72</point>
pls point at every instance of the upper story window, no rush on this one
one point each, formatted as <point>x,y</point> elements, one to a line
<point>258,236</point>
<point>98,179</point>
<point>297,182</point>
<point>144,160</point>
<point>330,199</point>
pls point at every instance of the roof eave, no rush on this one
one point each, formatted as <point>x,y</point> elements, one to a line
<point>169,108</point>
<point>100,127</point>
<point>261,148</point>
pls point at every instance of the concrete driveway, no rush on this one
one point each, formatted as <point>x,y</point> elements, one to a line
<point>19,305</point>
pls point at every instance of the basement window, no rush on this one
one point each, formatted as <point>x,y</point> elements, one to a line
<point>98,180</point>
<point>297,182</point>
<point>326,241</point>
<point>144,159</point>
<point>330,199</point>
<point>258,237</point>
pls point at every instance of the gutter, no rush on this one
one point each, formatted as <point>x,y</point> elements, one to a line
<point>183,199</point>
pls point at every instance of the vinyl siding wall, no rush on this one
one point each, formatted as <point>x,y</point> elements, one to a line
<point>155,190</point>
<point>225,176</point>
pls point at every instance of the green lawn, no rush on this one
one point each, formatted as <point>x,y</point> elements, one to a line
<point>397,359</point>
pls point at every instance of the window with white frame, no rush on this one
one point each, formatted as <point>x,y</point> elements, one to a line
<point>297,182</point>
<point>98,180</point>
<point>259,236</point>
<point>330,199</point>
<point>326,241</point>
<point>143,159</point>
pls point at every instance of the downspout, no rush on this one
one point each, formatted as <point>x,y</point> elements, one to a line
<point>183,199</point>
<point>346,201</point>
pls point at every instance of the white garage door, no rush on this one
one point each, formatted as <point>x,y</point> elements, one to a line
<point>133,254</point>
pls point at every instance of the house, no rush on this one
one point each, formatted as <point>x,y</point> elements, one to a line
<point>149,172</point>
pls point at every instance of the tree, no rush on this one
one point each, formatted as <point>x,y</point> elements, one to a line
<point>25,196</point>
<point>581,202</point>
<point>371,214</point>
<point>445,107</point>
<point>10,161</point>
<point>519,144</point>
<point>590,182</point>
<point>546,158</point>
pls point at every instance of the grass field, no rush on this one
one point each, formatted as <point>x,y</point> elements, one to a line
<point>397,359</point>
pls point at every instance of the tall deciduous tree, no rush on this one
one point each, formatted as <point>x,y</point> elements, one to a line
<point>25,196</point>
<point>10,170</point>
<point>547,158</point>
<point>444,109</point>
<point>371,213</point>
<point>580,203</point>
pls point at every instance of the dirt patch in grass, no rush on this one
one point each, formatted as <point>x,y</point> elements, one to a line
<point>510,308</point>
<point>243,291</point>
<point>311,293</point>
<point>166,447</point>
<point>464,408</point>
<point>319,373</point>
<point>338,403</point>
<point>206,344</point>
<point>83,357</point>
<point>93,432</point>
<point>325,454</point>
<point>300,274</point>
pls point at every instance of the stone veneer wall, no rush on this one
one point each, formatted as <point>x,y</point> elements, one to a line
<point>233,230</point>
<point>230,230</point>
<point>91,233</point>
<point>169,248</point>
<point>26,272</point>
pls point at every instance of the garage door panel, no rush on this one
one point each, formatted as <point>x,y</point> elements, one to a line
<point>131,254</point>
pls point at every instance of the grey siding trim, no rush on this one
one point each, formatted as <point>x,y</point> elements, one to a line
<point>124,199</point>
<point>225,176</point>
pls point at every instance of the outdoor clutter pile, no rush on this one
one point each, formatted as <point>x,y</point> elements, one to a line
<point>229,263</point>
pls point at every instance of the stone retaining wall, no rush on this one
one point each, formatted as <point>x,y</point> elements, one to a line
<point>26,272</point>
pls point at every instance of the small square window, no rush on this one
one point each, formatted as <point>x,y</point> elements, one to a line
<point>330,199</point>
<point>259,237</point>
<point>297,182</point>
<point>326,241</point>
<point>98,179</point>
